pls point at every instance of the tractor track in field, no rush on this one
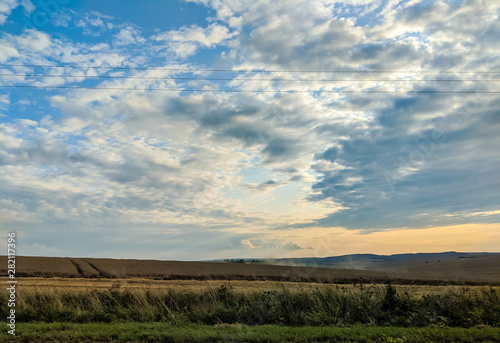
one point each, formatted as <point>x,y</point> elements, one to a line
<point>101,273</point>
<point>78,268</point>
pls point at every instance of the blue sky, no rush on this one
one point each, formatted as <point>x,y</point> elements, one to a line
<point>223,128</point>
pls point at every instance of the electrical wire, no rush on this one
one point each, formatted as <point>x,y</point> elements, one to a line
<point>253,91</point>
<point>245,79</point>
<point>192,70</point>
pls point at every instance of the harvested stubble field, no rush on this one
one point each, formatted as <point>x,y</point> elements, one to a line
<point>75,285</point>
<point>459,271</point>
<point>175,270</point>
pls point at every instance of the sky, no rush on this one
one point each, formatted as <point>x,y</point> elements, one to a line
<point>206,129</point>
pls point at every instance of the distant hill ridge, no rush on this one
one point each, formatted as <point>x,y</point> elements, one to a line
<point>363,258</point>
<point>373,258</point>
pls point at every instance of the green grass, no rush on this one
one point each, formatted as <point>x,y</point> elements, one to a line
<point>162,332</point>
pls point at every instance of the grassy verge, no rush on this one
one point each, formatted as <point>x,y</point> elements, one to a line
<point>315,307</point>
<point>161,332</point>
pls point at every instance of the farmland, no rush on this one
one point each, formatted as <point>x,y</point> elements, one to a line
<point>93,300</point>
<point>472,271</point>
<point>79,285</point>
<point>113,268</point>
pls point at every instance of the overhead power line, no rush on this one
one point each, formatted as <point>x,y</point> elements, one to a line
<point>192,70</point>
<point>245,79</point>
<point>254,91</point>
<point>236,78</point>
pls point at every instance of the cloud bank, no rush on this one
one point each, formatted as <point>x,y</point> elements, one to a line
<point>116,172</point>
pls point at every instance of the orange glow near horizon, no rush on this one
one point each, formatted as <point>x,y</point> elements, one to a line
<point>341,241</point>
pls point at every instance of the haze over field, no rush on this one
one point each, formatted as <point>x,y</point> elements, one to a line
<point>210,129</point>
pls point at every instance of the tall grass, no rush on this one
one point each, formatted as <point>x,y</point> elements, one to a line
<point>315,307</point>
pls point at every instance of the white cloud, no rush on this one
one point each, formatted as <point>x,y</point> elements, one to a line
<point>184,42</point>
<point>34,41</point>
<point>93,23</point>
<point>4,103</point>
<point>63,19</point>
<point>28,122</point>
<point>28,6</point>
<point>35,47</point>
<point>6,7</point>
<point>473,214</point>
<point>269,244</point>
<point>7,51</point>
<point>102,15</point>
<point>128,35</point>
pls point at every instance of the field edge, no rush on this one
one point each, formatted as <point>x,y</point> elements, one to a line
<point>160,332</point>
